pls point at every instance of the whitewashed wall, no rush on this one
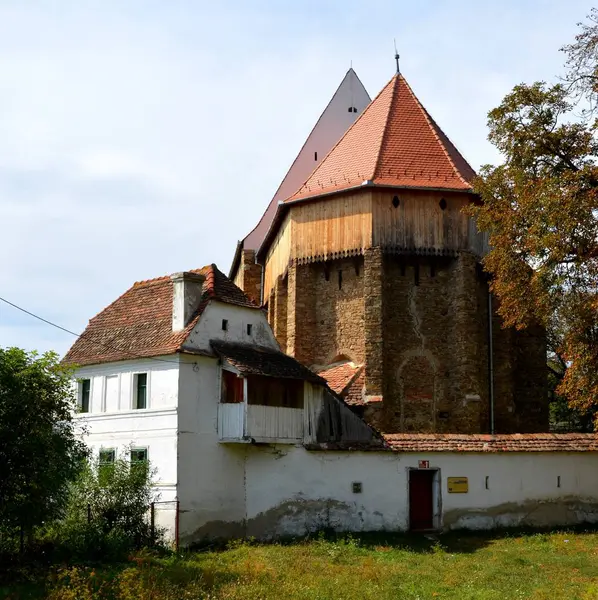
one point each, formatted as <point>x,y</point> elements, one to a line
<point>291,491</point>
<point>113,423</point>
<point>210,475</point>
<point>210,326</point>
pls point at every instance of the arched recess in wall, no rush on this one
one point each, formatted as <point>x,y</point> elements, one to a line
<point>417,379</point>
<point>342,357</point>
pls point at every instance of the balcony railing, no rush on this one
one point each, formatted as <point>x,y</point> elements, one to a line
<point>245,422</point>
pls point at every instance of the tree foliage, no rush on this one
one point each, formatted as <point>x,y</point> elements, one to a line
<point>40,448</point>
<point>108,514</point>
<point>541,209</point>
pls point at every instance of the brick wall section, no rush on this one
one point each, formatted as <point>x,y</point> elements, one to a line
<point>339,308</point>
<point>251,276</point>
<point>520,378</point>
<point>325,311</point>
<point>503,341</point>
<point>469,343</point>
<point>301,315</point>
<point>531,390</point>
<point>373,273</point>
<point>416,351</point>
<point>420,325</point>
<point>279,311</point>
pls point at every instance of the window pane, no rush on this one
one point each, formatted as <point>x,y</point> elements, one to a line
<point>85,393</point>
<point>107,456</point>
<point>141,398</point>
<point>232,388</point>
<point>138,455</point>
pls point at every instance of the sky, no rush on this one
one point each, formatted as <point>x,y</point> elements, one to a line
<point>143,137</point>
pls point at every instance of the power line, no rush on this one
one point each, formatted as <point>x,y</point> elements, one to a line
<point>78,335</point>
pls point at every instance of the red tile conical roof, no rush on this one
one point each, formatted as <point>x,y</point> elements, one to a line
<point>395,143</point>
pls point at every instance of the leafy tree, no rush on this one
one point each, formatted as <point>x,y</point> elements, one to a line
<point>541,209</point>
<point>40,448</point>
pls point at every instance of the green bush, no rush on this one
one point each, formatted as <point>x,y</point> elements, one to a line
<point>108,514</point>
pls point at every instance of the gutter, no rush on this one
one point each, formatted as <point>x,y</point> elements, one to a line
<point>490,361</point>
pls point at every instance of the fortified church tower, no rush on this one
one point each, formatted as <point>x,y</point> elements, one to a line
<point>372,276</point>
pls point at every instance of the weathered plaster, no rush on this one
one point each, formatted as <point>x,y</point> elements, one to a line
<point>568,510</point>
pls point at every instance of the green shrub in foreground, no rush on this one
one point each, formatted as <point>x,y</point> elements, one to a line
<point>107,515</point>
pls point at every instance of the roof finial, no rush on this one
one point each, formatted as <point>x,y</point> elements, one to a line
<point>397,56</point>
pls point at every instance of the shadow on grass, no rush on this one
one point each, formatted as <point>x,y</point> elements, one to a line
<point>455,542</point>
<point>141,574</point>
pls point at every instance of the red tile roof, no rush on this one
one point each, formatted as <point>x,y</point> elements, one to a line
<point>339,376</point>
<point>394,142</point>
<point>139,323</point>
<point>355,393</point>
<point>518,442</point>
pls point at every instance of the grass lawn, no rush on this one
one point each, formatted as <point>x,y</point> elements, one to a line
<point>460,566</point>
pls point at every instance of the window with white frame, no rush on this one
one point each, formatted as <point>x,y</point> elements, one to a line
<point>84,395</point>
<point>140,391</point>
<point>107,456</point>
<point>139,456</point>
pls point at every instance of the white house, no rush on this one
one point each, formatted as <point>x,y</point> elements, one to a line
<point>185,371</point>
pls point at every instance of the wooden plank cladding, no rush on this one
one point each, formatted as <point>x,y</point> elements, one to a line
<point>332,227</point>
<point>397,220</point>
<point>277,259</point>
<point>426,222</point>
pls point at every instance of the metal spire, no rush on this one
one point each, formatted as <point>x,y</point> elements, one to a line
<point>397,56</point>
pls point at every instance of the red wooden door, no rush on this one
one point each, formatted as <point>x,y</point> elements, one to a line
<point>421,499</point>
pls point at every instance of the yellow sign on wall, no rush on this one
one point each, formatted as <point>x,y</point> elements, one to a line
<point>457,485</point>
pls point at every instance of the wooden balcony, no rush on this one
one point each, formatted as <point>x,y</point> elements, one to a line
<point>244,423</point>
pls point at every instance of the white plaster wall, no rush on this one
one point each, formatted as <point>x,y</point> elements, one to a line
<point>154,428</point>
<point>536,488</point>
<point>162,383</point>
<point>210,326</point>
<point>291,491</point>
<point>211,475</point>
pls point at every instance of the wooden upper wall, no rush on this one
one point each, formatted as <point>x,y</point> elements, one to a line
<point>347,224</point>
<point>420,224</point>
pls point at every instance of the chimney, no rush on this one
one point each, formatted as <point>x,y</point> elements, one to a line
<point>187,289</point>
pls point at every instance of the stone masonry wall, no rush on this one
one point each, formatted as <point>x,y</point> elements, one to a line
<point>279,312</point>
<point>417,357</point>
<point>374,321</point>
<point>301,332</point>
<point>420,325</point>
<point>326,312</point>
<point>251,276</point>
<point>531,381</point>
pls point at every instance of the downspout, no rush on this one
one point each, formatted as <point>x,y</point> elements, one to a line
<point>491,361</point>
<point>262,279</point>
